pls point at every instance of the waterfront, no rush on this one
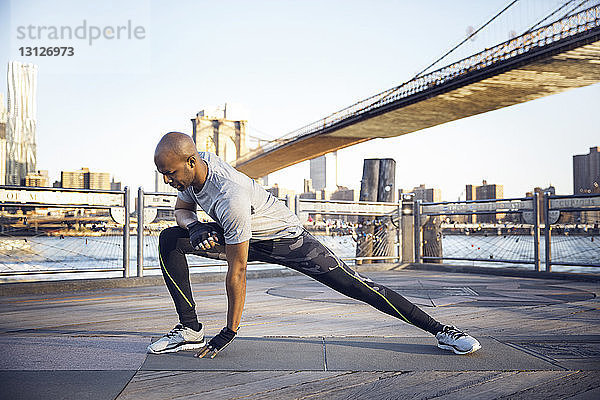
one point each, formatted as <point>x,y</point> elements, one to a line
<point>43,253</point>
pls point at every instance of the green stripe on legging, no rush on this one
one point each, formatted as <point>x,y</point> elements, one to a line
<point>340,265</point>
<point>162,264</point>
<point>370,288</point>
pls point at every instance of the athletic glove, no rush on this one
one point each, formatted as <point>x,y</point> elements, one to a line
<point>217,343</point>
<point>199,233</point>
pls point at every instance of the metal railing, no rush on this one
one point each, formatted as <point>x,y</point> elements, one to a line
<point>149,223</point>
<point>536,39</point>
<point>31,216</point>
<point>501,231</point>
<point>487,231</point>
<point>372,229</point>
<point>557,208</point>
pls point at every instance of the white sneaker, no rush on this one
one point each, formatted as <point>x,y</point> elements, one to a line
<point>179,338</point>
<point>457,341</point>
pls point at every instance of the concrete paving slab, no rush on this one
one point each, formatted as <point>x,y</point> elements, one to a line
<point>351,354</point>
<point>70,353</point>
<point>490,292</point>
<point>574,352</point>
<point>248,354</point>
<point>422,354</point>
<point>58,385</point>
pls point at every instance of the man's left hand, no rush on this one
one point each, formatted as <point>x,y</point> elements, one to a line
<point>201,237</point>
<point>217,343</point>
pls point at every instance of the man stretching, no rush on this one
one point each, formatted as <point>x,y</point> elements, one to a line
<point>252,225</point>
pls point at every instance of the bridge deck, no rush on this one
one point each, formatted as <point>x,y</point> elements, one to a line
<point>552,70</point>
<point>541,339</point>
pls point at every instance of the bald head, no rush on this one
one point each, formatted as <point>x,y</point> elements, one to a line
<point>177,159</point>
<point>175,145</point>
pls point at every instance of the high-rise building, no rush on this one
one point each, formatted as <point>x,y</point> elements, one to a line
<point>160,186</point>
<point>37,179</point>
<point>84,179</point>
<point>426,195</point>
<point>470,192</point>
<point>114,185</point>
<point>586,172</point>
<point>309,192</point>
<point>485,192</point>
<point>323,172</point>
<point>97,180</point>
<point>344,193</point>
<point>281,193</point>
<point>72,180</point>
<point>489,191</point>
<point>213,132</point>
<point>3,117</point>
<point>21,122</point>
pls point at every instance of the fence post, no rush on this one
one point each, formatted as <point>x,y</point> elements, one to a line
<point>417,230</point>
<point>126,234</point>
<point>140,232</point>
<point>547,230</point>
<point>536,231</point>
<point>399,231</point>
<point>408,226</point>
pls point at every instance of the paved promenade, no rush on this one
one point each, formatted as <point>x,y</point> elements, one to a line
<point>301,340</point>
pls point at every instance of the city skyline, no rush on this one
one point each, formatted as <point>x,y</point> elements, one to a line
<point>111,121</point>
<point>312,165</point>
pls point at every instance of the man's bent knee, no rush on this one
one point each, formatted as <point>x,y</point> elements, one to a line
<point>167,240</point>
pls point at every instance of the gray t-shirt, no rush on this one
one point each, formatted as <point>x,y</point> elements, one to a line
<point>241,206</point>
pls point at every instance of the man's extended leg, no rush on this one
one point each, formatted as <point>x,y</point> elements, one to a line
<point>309,256</point>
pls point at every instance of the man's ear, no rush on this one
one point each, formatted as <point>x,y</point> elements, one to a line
<point>191,161</point>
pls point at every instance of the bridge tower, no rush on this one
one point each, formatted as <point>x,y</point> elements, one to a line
<point>213,132</point>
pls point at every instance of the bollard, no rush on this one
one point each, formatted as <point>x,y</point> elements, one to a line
<point>140,232</point>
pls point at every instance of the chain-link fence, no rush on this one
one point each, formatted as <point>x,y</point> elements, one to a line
<point>572,237</point>
<point>55,233</point>
<point>489,232</point>
<point>357,231</point>
<point>513,233</point>
<point>65,234</point>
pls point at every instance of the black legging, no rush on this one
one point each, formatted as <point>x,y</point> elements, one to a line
<point>304,254</point>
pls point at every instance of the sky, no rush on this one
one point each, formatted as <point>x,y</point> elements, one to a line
<point>281,65</point>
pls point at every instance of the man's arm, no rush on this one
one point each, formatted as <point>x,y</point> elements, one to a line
<point>235,282</point>
<point>185,213</point>
<point>235,285</point>
<point>186,217</point>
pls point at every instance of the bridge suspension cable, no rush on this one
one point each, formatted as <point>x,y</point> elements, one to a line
<point>467,38</point>
<point>555,12</point>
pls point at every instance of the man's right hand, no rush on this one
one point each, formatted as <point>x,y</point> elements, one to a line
<point>201,238</point>
<point>218,343</point>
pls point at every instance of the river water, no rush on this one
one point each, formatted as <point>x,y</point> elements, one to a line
<point>106,252</point>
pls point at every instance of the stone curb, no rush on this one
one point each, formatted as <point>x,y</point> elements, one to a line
<point>519,273</point>
<point>79,285</point>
